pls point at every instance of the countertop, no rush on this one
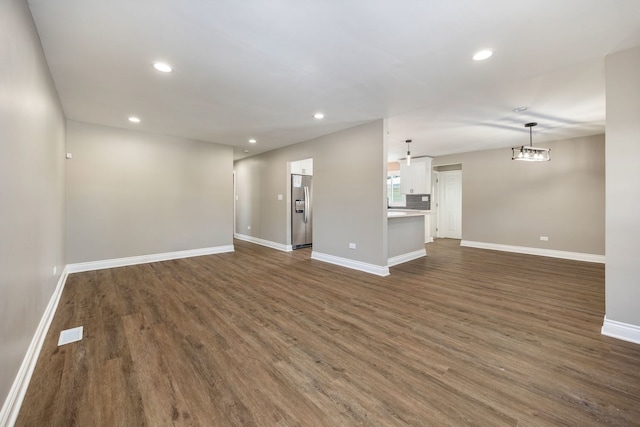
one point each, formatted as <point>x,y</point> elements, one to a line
<point>400,208</point>
<point>404,213</point>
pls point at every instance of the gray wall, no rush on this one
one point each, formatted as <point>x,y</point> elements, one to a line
<point>132,193</point>
<point>514,203</point>
<point>623,188</point>
<point>249,204</point>
<point>32,131</point>
<point>403,238</point>
<point>349,193</point>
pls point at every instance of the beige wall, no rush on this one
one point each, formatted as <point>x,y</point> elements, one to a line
<point>32,132</point>
<point>623,187</point>
<point>349,193</point>
<point>514,203</point>
<point>132,193</point>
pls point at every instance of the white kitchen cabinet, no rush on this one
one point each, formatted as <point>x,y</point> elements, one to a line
<point>416,179</point>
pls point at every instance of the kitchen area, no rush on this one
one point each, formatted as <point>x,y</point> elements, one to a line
<point>409,212</point>
<point>408,209</point>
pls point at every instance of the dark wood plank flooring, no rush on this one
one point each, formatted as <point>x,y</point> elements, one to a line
<point>265,338</point>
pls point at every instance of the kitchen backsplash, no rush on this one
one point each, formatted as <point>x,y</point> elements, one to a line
<point>414,201</point>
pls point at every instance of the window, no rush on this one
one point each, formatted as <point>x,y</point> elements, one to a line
<point>394,196</point>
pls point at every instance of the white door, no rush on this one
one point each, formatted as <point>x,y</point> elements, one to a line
<point>450,206</point>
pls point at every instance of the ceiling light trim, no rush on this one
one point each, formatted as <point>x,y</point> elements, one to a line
<point>163,67</point>
<point>483,54</point>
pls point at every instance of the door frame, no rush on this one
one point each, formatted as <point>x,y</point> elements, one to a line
<point>290,165</point>
<point>440,191</point>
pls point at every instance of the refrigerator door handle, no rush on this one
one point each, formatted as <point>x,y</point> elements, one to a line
<point>306,204</point>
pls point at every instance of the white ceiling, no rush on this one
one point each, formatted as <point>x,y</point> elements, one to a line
<point>261,68</point>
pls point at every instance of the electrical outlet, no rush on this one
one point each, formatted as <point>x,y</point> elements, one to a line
<point>544,238</point>
<point>279,196</point>
<point>248,227</point>
<point>352,245</point>
<point>55,270</point>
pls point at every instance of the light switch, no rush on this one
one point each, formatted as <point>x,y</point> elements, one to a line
<point>279,196</point>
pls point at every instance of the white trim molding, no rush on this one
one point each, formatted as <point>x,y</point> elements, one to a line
<point>410,256</point>
<point>262,242</point>
<point>350,263</point>
<point>144,259</point>
<point>621,331</point>
<point>13,402</point>
<point>575,256</point>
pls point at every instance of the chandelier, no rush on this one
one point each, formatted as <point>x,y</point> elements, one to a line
<point>531,153</point>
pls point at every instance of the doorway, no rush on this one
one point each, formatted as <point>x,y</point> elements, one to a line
<point>300,211</point>
<point>449,201</point>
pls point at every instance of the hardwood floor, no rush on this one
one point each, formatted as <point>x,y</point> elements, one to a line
<point>265,338</point>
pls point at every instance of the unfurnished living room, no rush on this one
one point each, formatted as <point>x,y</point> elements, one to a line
<point>279,213</point>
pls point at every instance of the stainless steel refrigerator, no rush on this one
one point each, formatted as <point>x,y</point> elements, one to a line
<point>301,218</point>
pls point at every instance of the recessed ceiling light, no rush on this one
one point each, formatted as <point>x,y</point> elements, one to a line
<point>519,109</point>
<point>318,116</point>
<point>245,151</point>
<point>162,66</point>
<point>252,141</point>
<point>482,55</point>
<point>133,119</point>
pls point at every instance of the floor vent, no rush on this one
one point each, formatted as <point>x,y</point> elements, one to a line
<point>70,335</point>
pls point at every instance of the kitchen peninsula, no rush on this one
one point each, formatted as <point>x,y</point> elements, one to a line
<point>405,236</point>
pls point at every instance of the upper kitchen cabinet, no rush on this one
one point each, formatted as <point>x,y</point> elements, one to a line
<point>416,179</point>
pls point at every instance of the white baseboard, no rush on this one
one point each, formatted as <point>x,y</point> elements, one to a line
<point>262,242</point>
<point>399,259</point>
<point>13,402</point>
<point>575,256</point>
<point>144,259</point>
<point>621,331</point>
<point>350,263</point>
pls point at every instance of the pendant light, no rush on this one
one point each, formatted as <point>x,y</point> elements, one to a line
<point>408,141</point>
<point>531,153</point>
